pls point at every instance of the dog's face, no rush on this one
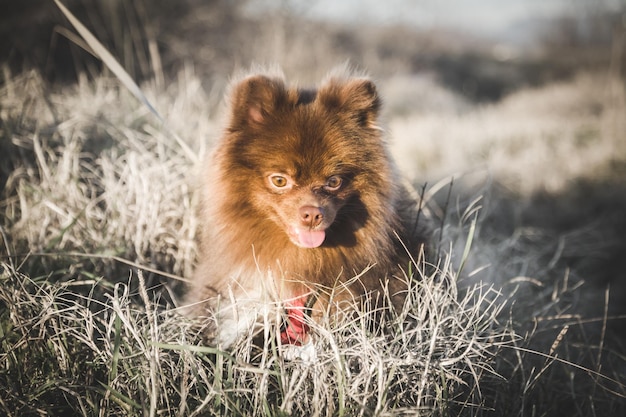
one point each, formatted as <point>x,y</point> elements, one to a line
<point>305,207</point>
<point>302,154</point>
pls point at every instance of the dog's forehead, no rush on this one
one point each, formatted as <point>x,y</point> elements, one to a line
<point>307,141</point>
<point>309,154</point>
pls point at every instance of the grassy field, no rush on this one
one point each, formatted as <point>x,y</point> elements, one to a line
<point>98,232</point>
<point>520,314</point>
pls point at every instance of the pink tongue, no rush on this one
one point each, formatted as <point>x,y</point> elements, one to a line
<point>309,238</point>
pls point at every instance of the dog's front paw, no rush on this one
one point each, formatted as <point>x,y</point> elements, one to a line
<point>305,353</point>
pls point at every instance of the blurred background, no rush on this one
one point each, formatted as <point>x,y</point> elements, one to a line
<point>481,50</point>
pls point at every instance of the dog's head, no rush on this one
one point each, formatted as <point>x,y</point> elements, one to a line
<point>302,157</point>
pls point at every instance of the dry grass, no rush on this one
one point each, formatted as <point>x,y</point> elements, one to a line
<point>92,178</point>
<point>73,188</point>
<point>533,140</point>
<point>125,355</point>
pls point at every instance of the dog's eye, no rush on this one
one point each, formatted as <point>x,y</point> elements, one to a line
<point>279,181</point>
<point>334,183</point>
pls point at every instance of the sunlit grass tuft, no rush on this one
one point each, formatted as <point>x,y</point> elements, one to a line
<point>124,353</point>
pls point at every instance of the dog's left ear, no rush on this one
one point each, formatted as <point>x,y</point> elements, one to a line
<point>355,98</point>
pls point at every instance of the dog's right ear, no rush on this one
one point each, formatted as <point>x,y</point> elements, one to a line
<point>254,100</point>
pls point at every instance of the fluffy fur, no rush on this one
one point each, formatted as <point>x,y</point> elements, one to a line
<point>299,197</point>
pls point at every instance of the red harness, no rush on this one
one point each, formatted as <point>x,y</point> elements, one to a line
<point>295,330</point>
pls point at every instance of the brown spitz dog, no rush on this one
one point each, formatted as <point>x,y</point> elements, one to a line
<point>301,207</point>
